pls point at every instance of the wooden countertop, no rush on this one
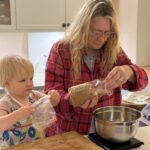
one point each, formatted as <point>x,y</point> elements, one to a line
<point>75,141</point>
<point>143,135</point>
<point>67,141</point>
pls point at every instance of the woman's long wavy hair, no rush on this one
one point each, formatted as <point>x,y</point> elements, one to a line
<point>77,34</point>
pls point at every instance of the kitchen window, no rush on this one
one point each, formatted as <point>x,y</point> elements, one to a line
<point>39,45</point>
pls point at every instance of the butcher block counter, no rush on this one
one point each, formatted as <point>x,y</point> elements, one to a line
<point>67,141</point>
<point>74,141</point>
<point>143,135</point>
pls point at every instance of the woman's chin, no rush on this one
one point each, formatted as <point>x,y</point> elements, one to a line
<point>97,46</point>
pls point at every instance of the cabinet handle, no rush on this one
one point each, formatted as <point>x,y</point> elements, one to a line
<point>63,25</point>
<point>68,24</point>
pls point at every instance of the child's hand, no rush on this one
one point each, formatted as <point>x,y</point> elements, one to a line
<point>55,97</point>
<point>26,111</point>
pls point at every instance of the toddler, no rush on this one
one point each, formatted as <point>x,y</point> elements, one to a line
<point>16,77</point>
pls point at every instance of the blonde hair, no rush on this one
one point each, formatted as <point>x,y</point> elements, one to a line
<point>13,65</point>
<point>77,34</point>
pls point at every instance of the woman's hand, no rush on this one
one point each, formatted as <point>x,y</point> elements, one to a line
<point>90,103</point>
<point>54,97</point>
<point>118,76</point>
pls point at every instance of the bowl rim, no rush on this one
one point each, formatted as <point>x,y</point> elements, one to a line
<point>117,122</point>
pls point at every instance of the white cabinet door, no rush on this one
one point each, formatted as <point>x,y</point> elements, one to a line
<point>72,7</point>
<point>7,15</point>
<point>40,14</point>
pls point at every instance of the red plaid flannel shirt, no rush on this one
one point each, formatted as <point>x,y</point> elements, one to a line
<point>59,76</point>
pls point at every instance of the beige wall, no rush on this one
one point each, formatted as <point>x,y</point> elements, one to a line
<point>143,33</point>
<point>128,26</point>
<point>135,31</point>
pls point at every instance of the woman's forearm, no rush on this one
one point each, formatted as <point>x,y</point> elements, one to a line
<point>131,73</point>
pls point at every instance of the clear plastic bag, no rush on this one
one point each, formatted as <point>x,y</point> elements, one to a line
<point>146,112</point>
<point>44,114</point>
<point>79,94</point>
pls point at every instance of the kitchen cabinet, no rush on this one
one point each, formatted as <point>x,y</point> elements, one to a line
<point>51,15</point>
<point>72,7</point>
<point>7,15</point>
<point>38,15</point>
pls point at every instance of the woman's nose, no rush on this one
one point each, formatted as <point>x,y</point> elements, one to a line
<point>102,38</point>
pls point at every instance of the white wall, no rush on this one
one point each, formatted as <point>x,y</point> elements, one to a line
<point>35,46</point>
<point>13,43</point>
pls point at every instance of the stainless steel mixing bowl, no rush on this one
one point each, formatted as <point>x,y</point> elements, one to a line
<point>116,123</point>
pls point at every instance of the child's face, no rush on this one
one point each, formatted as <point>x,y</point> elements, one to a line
<point>20,86</point>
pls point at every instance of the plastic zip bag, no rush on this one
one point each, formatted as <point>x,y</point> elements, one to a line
<point>79,94</point>
<point>44,114</point>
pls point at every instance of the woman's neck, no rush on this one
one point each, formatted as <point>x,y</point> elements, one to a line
<point>91,52</point>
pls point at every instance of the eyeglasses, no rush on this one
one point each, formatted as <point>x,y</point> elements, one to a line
<point>98,34</point>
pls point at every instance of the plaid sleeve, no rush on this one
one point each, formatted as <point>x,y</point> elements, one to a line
<point>141,79</point>
<point>54,78</point>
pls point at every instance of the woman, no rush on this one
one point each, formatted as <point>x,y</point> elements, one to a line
<point>90,50</point>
